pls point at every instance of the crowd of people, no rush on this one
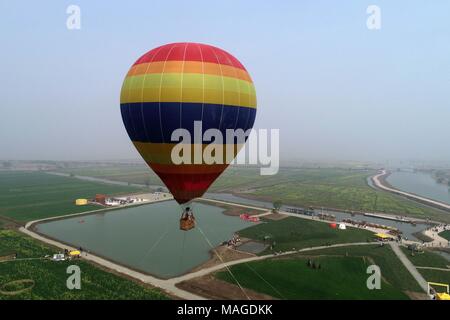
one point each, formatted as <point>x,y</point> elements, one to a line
<point>365,224</point>
<point>233,241</point>
<point>434,233</point>
<point>441,227</point>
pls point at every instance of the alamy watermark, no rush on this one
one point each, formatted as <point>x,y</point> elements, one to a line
<point>73,21</point>
<point>211,147</point>
<point>74,280</point>
<point>374,280</point>
<point>373,21</point>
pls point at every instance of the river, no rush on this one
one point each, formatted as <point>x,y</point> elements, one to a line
<point>421,184</point>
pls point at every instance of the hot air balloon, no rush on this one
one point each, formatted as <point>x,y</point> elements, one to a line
<point>172,87</point>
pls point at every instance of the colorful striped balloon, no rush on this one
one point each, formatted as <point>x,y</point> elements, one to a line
<point>174,85</point>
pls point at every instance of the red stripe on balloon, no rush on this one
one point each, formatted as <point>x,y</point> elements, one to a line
<point>185,187</point>
<point>190,52</point>
<point>183,169</point>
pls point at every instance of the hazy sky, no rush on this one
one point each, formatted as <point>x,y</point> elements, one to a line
<point>334,88</point>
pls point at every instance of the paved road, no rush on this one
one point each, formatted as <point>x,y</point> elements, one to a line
<point>379,184</point>
<point>235,204</point>
<point>102,180</point>
<point>409,266</point>
<point>206,271</point>
<point>438,241</point>
<point>433,268</point>
<point>70,215</point>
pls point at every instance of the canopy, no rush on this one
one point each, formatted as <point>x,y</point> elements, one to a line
<point>442,296</point>
<point>383,236</point>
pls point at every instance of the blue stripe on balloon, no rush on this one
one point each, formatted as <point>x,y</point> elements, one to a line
<point>142,120</point>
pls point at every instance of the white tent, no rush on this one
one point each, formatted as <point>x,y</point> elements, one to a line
<point>58,257</point>
<point>342,226</point>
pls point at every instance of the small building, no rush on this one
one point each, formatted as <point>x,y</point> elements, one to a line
<point>100,198</point>
<point>81,202</point>
<point>415,247</point>
<point>59,257</point>
<point>342,226</point>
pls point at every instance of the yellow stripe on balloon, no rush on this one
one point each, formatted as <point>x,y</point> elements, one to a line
<point>189,67</point>
<point>191,96</point>
<point>161,153</point>
<point>189,80</point>
<point>166,88</point>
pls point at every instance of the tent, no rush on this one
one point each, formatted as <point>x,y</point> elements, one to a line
<point>342,226</point>
<point>383,236</point>
<point>442,296</point>
<point>58,257</point>
<point>438,295</point>
<point>74,253</point>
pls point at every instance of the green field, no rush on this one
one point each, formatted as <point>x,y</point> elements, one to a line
<point>50,277</point>
<point>332,188</point>
<point>391,267</point>
<point>28,196</point>
<point>340,188</point>
<point>445,234</point>
<point>139,174</point>
<point>299,233</point>
<point>426,259</point>
<point>436,275</point>
<point>433,260</point>
<point>338,278</point>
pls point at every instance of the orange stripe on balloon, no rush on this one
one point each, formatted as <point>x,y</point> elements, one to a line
<point>188,168</point>
<point>189,67</point>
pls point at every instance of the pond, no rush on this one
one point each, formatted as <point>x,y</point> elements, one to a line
<point>147,238</point>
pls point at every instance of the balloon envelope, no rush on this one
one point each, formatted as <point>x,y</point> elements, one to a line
<point>173,86</point>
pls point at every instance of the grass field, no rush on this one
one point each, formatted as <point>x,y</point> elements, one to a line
<point>338,278</point>
<point>436,275</point>
<point>430,259</point>
<point>333,188</point>
<point>50,277</point>
<point>299,233</point>
<point>35,195</point>
<point>392,270</point>
<point>426,259</point>
<point>445,234</point>
<point>340,188</point>
<point>139,174</point>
